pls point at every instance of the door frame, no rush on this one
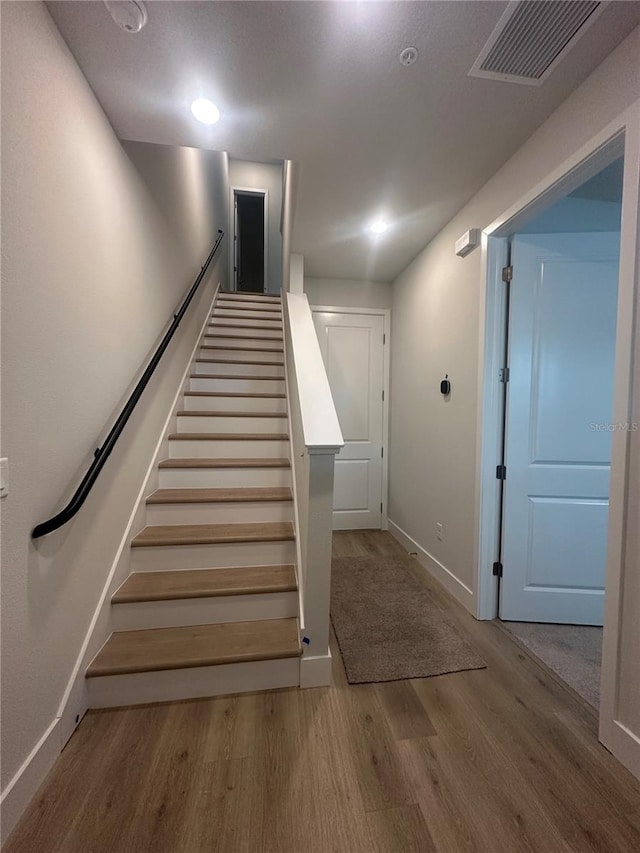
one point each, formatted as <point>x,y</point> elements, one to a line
<point>620,138</point>
<point>239,190</point>
<point>385,313</point>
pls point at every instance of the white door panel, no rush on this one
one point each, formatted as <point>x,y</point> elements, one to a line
<point>351,485</point>
<point>352,349</point>
<point>562,333</point>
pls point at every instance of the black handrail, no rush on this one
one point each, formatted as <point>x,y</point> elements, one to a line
<point>102,453</point>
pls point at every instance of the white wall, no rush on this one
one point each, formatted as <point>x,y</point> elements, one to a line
<point>296,273</point>
<point>436,329</point>
<point>189,187</point>
<point>267,176</point>
<point>344,293</point>
<point>93,265</point>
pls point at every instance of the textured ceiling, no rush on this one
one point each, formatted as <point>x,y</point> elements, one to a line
<point>320,83</point>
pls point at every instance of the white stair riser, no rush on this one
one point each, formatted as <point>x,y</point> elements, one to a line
<point>238,385</point>
<point>223,478</point>
<point>229,554</point>
<point>228,330</point>
<point>234,512</point>
<point>222,423</point>
<point>242,355</point>
<point>247,305</point>
<point>273,325</point>
<point>204,449</point>
<point>234,368</point>
<point>247,314</point>
<point>235,404</point>
<point>112,691</point>
<point>143,615</point>
<point>251,342</point>
<point>245,346</point>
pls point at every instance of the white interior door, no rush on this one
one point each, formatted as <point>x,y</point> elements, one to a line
<point>352,349</point>
<point>562,335</point>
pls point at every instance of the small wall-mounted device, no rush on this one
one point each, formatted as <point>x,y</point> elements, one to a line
<point>445,386</point>
<point>468,242</point>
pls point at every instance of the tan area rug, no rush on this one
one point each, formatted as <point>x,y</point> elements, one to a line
<point>388,626</point>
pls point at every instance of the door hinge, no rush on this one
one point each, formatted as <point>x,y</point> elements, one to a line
<point>501,472</point>
<point>380,507</point>
<point>497,570</point>
<point>384,340</point>
<point>383,395</point>
<point>504,374</point>
<point>507,273</point>
<point>382,452</point>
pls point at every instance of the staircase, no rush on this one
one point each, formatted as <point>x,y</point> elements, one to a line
<point>211,603</point>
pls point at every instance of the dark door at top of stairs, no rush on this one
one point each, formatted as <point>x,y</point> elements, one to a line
<point>250,238</point>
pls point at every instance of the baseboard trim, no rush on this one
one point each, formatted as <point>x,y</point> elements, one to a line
<point>623,744</point>
<point>22,788</point>
<point>315,671</point>
<point>441,573</point>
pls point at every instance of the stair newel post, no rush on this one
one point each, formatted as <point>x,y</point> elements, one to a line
<point>317,589</point>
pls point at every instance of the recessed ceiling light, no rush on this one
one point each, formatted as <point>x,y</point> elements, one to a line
<point>379,226</point>
<point>205,111</point>
<point>129,15</point>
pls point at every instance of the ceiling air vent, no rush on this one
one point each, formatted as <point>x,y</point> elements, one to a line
<point>531,37</point>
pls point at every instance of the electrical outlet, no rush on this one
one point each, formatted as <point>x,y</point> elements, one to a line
<point>439,531</point>
<point>4,477</point>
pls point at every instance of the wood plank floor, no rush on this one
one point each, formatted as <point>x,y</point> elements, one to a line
<point>500,760</point>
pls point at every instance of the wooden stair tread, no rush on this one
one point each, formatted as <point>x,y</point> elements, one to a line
<point>194,413</point>
<point>273,395</point>
<point>219,325</point>
<point>196,645</point>
<point>213,534</point>
<point>220,360</point>
<point>228,436</point>
<point>238,495</point>
<point>224,462</point>
<point>205,583</point>
<point>235,376</point>
<point>235,305</point>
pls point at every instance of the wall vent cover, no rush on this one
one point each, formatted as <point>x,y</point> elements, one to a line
<point>531,38</point>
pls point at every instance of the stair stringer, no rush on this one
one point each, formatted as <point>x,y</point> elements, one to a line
<point>75,701</point>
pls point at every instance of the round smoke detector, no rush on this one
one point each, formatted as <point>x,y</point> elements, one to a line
<point>129,15</point>
<point>409,56</point>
